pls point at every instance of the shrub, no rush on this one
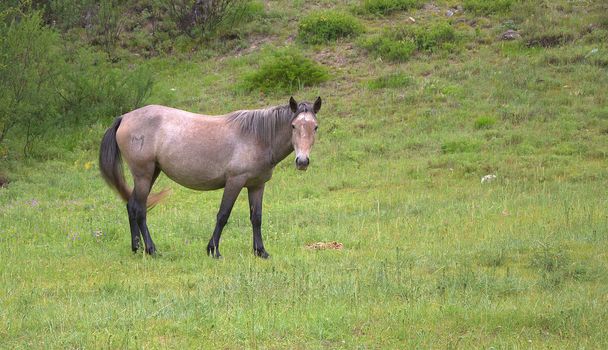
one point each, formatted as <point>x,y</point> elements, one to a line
<point>326,26</point>
<point>45,86</point>
<point>385,7</point>
<point>30,66</point>
<point>285,69</point>
<point>485,122</point>
<point>400,43</point>
<point>194,17</point>
<point>67,14</point>
<point>391,81</point>
<point>488,7</point>
<point>239,15</point>
<point>93,89</point>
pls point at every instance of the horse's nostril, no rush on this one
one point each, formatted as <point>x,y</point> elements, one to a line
<point>302,162</point>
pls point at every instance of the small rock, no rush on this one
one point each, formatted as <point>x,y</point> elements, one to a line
<point>510,35</point>
<point>488,178</point>
<point>450,13</point>
<point>412,19</point>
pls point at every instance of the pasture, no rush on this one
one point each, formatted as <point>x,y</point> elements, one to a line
<point>431,258</point>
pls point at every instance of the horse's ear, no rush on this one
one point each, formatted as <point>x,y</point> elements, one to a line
<point>317,105</point>
<point>293,104</point>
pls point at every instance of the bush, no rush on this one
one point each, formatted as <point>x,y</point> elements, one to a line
<point>285,70</point>
<point>400,43</point>
<point>30,69</point>
<point>195,17</point>
<point>391,81</point>
<point>46,86</point>
<point>326,26</point>
<point>488,7</point>
<point>93,89</point>
<point>238,16</point>
<point>385,7</point>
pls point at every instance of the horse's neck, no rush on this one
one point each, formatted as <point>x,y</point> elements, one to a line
<point>281,146</point>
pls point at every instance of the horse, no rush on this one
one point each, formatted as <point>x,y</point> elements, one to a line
<point>202,152</point>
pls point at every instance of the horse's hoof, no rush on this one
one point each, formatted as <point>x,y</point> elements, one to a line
<point>262,254</point>
<point>151,250</point>
<point>213,252</point>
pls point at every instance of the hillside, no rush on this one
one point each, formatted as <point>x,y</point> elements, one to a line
<point>421,100</point>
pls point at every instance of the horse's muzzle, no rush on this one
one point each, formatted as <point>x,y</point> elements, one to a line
<point>302,163</point>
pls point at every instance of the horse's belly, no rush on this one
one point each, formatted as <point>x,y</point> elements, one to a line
<point>197,176</point>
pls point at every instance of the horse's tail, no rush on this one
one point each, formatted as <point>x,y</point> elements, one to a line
<point>110,164</point>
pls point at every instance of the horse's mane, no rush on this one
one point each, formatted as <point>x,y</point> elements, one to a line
<point>263,123</point>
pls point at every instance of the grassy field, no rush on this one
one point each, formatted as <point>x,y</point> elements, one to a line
<point>432,257</point>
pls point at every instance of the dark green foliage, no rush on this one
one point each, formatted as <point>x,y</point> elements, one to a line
<point>285,70</point>
<point>48,84</point>
<point>195,18</point>
<point>30,68</point>
<point>68,14</point>
<point>400,43</point>
<point>385,7</point>
<point>326,26</point>
<point>488,7</point>
<point>94,89</point>
<point>391,81</point>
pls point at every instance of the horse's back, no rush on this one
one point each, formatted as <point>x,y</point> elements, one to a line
<point>192,149</point>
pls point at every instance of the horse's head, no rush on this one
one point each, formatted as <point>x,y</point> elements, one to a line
<point>303,129</point>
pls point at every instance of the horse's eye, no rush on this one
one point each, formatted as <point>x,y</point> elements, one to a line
<point>316,127</point>
<point>293,126</point>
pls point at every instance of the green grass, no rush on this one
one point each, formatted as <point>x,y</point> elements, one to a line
<point>386,7</point>
<point>487,7</point>
<point>399,44</point>
<point>391,81</point>
<point>432,258</point>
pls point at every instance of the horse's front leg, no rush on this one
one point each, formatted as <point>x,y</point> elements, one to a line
<point>255,215</point>
<point>231,192</point>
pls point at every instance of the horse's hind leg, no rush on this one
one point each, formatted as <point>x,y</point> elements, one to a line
<point>132,210</point>
<point>136,207</point>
